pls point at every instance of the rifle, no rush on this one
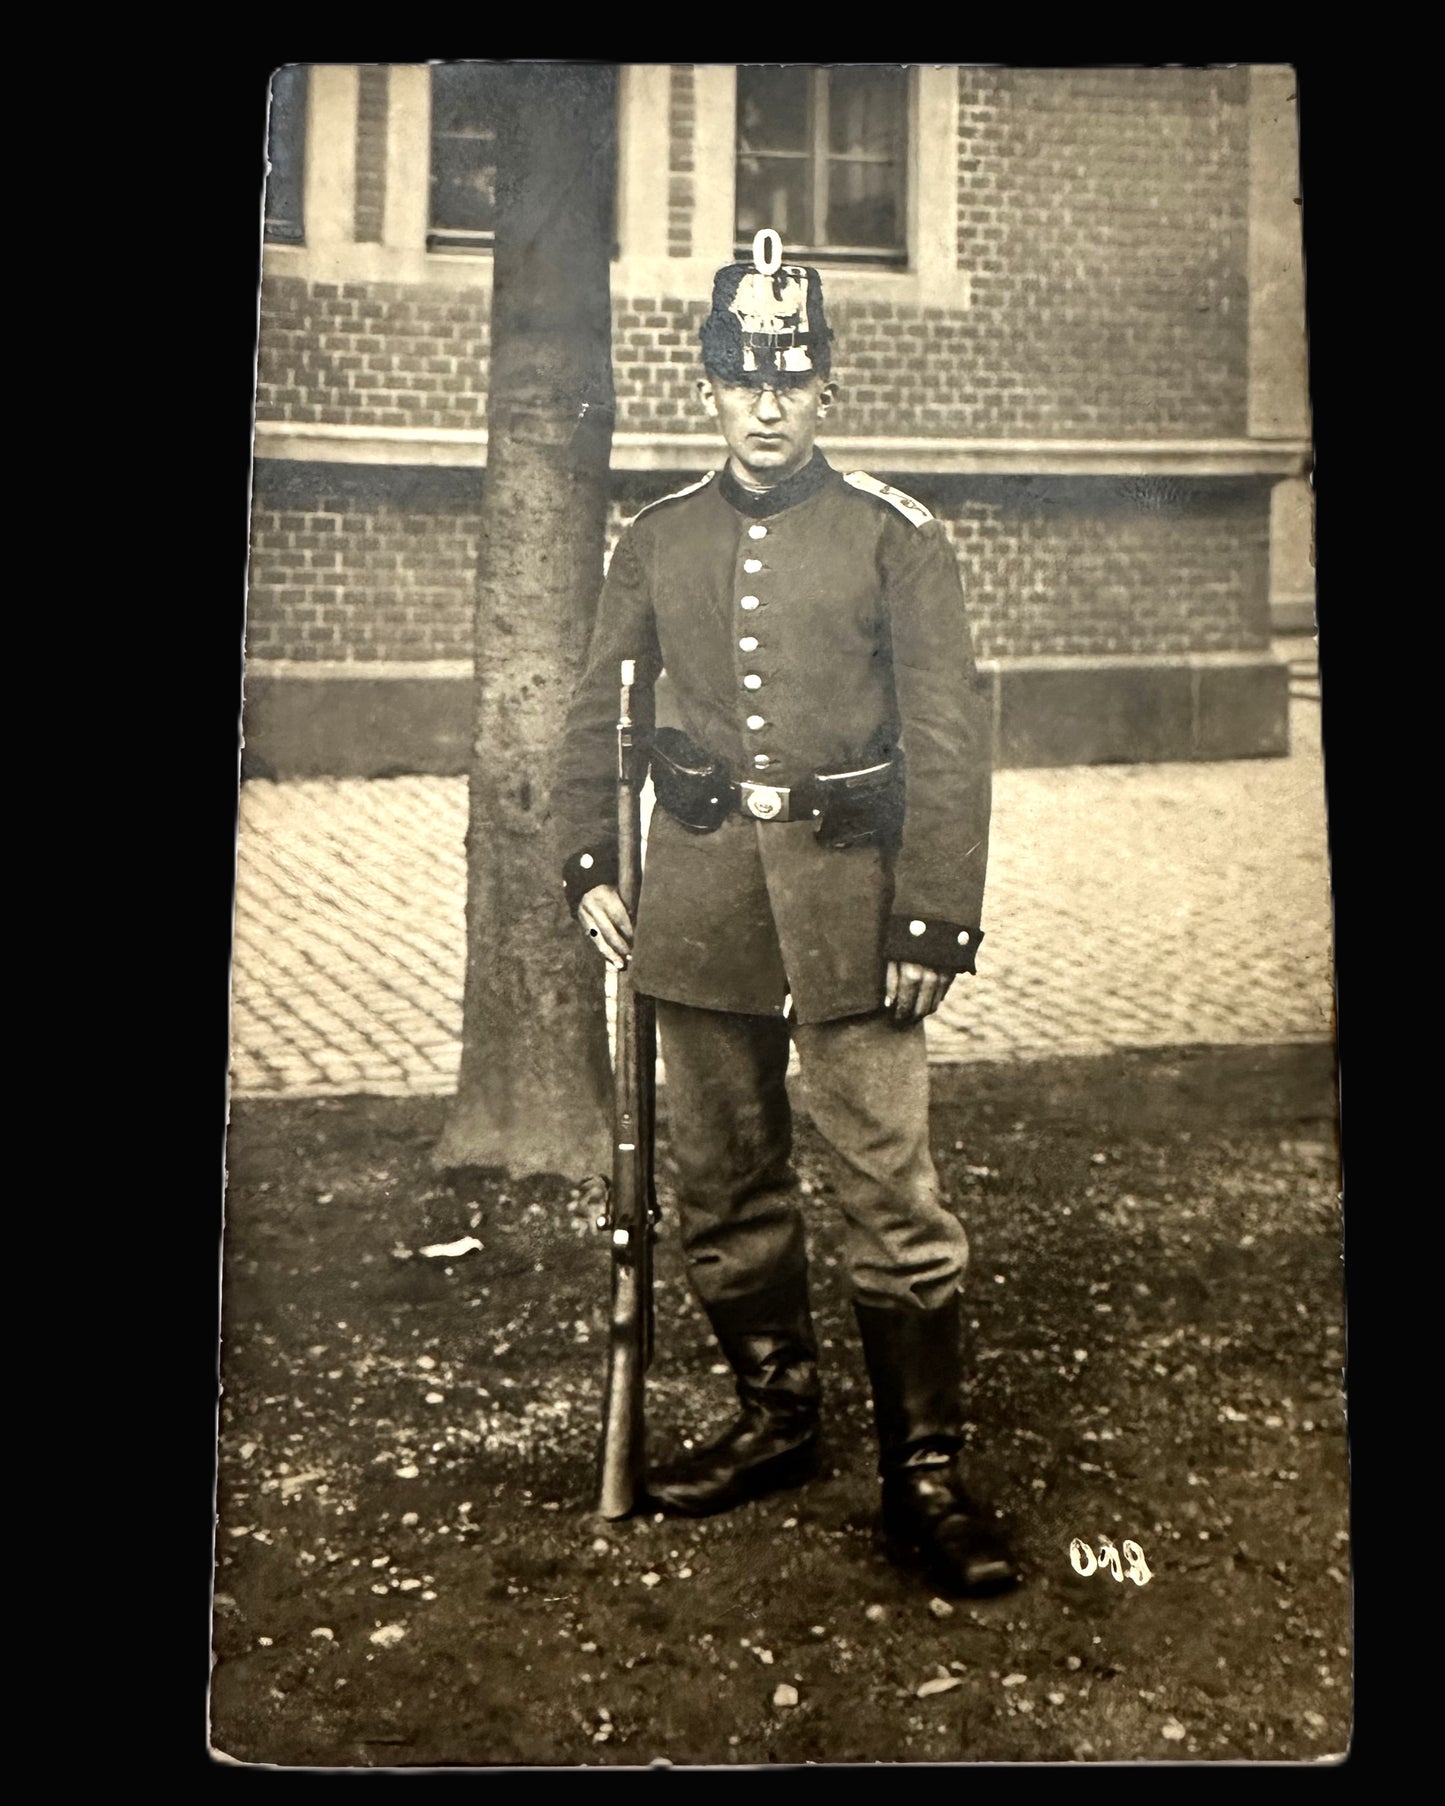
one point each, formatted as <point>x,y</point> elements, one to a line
<point>631,1200</point>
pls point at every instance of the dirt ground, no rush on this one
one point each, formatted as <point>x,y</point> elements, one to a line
<point>410,1571</point>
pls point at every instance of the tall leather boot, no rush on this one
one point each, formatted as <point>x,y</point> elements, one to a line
<point>769,1344</point>
<point>914,1367</point>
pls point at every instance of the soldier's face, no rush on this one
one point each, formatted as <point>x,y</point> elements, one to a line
<point>770,432</point>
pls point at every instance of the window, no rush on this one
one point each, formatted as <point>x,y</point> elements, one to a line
<point>466,104</point>
<point>822,158</point>
<point>286,157</point>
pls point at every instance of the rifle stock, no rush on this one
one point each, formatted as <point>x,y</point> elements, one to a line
<point>632,1204</point>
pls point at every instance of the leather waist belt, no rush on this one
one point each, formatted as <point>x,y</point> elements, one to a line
<point>848,808</point>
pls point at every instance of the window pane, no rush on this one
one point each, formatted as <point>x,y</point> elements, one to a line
<point>463,185</point>
<point>286,154</point>
<point>833,141</point>
<point>464,146</point>
<point>866,111</point>
<point>773,191</point>
<point>863,205</point>
<point>464,95</point>
<point>772,110</point>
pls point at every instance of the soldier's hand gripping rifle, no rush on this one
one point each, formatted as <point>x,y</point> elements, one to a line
<point>631,1200</point>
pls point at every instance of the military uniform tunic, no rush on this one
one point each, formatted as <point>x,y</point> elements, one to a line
<point>797,627</point>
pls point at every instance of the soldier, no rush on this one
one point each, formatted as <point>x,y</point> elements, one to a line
<point>815,866</point>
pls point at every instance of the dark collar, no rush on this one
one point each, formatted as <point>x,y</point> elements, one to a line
<point>798,488</point>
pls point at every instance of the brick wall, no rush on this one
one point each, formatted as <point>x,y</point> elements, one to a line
<point>371,108</point>
<point>681,125</point>
<point>1103,218</point>
<point>358,563</point>
<point>1084,565</point>
<point>383,355</point>
<point>371,354</point>
<point>655,365</point>
<point>1101,565</point>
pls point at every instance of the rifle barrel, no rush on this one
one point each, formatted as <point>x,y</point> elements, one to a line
<point>633,1204</point>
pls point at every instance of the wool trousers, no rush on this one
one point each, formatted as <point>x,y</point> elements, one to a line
<point>865,1084</point>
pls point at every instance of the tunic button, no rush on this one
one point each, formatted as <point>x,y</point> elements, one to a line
<point>762,761</point>
<point>747,643</point>
<point>752,564</point>
<point>748,602</point>
<point>752,681</point>
<point>585,862</point>
<point>916,927</point>
<point>756,532</point>
<point>756,723</point>
<point>963,938</point>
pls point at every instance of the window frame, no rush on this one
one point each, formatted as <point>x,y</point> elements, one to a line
<point>450,240</point>
<point>818,155</point>
<point>284,230</point>
<point>457,241</point>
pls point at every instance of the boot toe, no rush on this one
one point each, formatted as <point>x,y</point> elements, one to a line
<point>718,1479</point>
<point>976,1566</point>
<point>929,1513</point>
<point>687,1497</point>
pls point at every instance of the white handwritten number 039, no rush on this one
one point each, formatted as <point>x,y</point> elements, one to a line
<point>1085,1562</point>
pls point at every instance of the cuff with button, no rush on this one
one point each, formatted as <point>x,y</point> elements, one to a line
<point>587,869</point>
<point>943,946</point>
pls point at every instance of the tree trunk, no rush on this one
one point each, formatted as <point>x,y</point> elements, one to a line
<point>534,1086</point>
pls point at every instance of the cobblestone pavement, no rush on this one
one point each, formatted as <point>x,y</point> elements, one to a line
<point>1128,906</point>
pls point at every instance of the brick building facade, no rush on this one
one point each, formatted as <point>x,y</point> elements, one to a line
<point>1076,333</point>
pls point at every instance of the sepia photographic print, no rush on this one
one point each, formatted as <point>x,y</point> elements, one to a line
<point>782,1180</point>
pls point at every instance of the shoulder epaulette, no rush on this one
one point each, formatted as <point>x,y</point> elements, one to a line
<point>910,509</point>
<point>677,494</point>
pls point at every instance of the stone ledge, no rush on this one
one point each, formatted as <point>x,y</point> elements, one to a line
<point>1133,710</point>
<point>1292,614</point>
<point>466,448</point>
<point>362,725</point>
<point>357,721</point>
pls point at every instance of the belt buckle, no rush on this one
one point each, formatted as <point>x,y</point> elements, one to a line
<point>764,802</point>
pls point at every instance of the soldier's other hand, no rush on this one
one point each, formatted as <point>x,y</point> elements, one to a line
<point>913,992</point>
<point>604,919</point>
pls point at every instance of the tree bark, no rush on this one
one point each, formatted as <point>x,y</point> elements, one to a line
<point>534,1084</point>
